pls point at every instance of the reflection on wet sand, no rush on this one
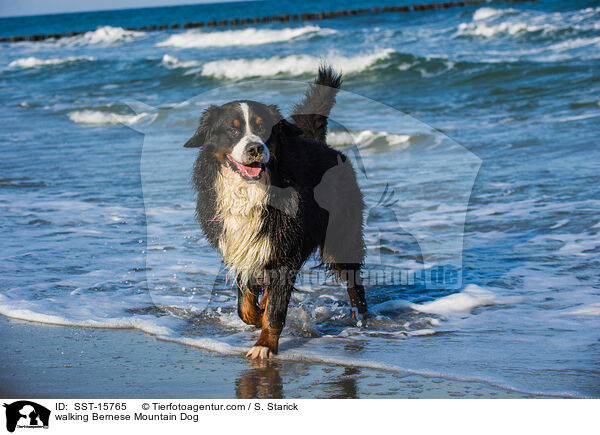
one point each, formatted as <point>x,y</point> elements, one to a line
<point>348,389</point>
<point>265,380</point>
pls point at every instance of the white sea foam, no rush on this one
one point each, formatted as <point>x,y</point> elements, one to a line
<point>172,62</point>
<point>250,36</point>
<point>490,30</point>
<point>472,296</point>
<point>97,118</point>
<point>290,65</point>
<point>486,13</point>
<point>489,22</point>
<point>368,139</point>
<point>33,62</point>
<point>592,44</point>
<point>106,35</point>
<point>44,311</point>
<point>463,302</point>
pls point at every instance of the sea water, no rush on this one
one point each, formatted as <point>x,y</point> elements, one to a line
<point>473,132</point>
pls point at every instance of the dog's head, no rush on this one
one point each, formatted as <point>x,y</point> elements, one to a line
<point>242,135</point>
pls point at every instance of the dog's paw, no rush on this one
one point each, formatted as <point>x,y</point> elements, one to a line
<point>259,352</point>
<point>361,319</point>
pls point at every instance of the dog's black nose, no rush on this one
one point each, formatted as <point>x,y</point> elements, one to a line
<point>255,149</point>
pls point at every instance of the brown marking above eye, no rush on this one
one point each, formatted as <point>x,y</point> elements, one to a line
<point>236,122</point>
<point>258,120</point>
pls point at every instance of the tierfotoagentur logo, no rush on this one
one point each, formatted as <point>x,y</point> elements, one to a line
<point>25,414</point>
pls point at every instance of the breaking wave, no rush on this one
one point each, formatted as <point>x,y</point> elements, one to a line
<point>106,35</point>
<point>289,65</point>
<point>172,62</point>
<point>490,22</point>
<point>34,62</point>
<point>485,13</point>
<point>488,30</point>
<point>99,118</point>
<point>251,36</point>
<point>369,140</point>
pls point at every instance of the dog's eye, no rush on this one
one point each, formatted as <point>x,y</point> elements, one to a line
<point>234,131</point>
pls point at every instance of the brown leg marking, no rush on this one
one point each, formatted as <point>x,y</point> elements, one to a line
<point>269,337</point>
<point>250,312</point>
<point>268,341</point>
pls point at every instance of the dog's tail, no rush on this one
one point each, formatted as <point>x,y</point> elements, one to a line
<point>312,112</point>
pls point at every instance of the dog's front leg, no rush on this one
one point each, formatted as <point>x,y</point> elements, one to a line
<point>276,300</point>
<point>248,309</point>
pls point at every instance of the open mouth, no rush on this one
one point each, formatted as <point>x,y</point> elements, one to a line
<point>251,172</point>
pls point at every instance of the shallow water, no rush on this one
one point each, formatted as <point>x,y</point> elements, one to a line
<point>482,122</point>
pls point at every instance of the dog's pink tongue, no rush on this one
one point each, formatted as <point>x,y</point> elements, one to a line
<point>250,171</point>
<point>247,171</point>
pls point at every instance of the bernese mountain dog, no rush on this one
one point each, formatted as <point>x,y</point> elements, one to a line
<point>271,193</point>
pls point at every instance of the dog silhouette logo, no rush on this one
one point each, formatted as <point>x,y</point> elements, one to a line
<point>26,414</point>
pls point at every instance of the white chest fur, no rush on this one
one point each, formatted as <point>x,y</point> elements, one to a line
<point>240,206</point>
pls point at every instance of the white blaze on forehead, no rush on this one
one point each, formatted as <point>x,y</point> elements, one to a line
<point>249,137</point>
<point>246,112</point>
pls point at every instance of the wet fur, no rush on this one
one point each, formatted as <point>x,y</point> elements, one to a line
<point>275,225</point>
<point>240,206</point>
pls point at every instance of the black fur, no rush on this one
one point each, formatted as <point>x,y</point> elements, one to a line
<point>312,112</point>
<point>328,219</point>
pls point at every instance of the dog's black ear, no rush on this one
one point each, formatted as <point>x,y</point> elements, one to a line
<point>281,125</point>
<point>288,129</point>
<point>275,113</point>
<point>203,133</point>
<point>195,141</point>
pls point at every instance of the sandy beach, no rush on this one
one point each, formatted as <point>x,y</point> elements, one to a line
<point>46,361</point>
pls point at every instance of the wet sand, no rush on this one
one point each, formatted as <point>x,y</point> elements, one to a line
<point>65,362</point>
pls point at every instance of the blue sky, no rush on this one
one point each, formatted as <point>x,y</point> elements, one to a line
<point>37,7</point>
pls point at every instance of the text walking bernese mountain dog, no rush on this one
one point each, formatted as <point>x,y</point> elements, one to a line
<point>271,193</point>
